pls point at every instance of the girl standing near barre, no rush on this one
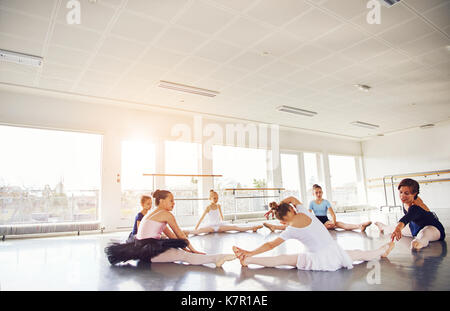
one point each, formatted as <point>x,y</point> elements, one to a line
<point>323,252</point>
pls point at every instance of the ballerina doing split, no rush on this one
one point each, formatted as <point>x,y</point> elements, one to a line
<point>323,252</point>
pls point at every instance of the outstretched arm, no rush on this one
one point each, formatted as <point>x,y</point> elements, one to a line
<point>291,200</point>
<point>179,233</point>
<point>220,211</point>
<point>262,249</point>
<point>333,215</point>
<point>201,218</point>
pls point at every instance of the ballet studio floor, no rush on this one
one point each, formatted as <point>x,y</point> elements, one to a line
<point>78,263</point>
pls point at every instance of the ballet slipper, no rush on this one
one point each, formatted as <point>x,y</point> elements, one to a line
<point>222,259</point>
<point>365,225</point>
<point>416,246</point>
<point>378,224</point>
<point>390,247</point>
<point>267,225</point>
<point>256,228</point>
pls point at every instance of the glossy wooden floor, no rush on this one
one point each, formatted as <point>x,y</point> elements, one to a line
<point>78,263</point>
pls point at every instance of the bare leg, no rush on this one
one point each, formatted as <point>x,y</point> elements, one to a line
<point>274,227</point>
<point>238,228</point>
<point>360,255</point>
<point>424,237</point>
<point>173,254</point>
<point>346,226</point>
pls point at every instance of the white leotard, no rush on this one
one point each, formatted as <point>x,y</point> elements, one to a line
<point>323,253</point>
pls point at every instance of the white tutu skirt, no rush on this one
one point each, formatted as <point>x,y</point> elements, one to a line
<point>330,258</point>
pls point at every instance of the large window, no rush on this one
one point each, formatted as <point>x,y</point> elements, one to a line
<point>183,158</point>
<point>345,183</point>
<point>241,168</point>
<point>290,175</point>
<point>313,174</point>
<point>49,176</point>
<point>138,157</point>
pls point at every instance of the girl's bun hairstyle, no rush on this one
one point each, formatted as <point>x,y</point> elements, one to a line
<point>316,186</point>
<point>280,210</point>
<point>160,195</point>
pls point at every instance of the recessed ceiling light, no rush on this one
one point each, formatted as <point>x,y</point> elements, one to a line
<point>363,87</point>
<point>20,58</point>
<point>364,124</point>
<point>298,111</point>
<point>427,126</point>
<point>380,135</point>
<point>265,53</point>
<point>187,88</point>
<point>390,3</point>
<point>448,48</point>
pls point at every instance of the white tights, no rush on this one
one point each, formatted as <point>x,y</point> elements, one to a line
<point>291,260</point>
<point>424,237</point>
<point>174,254</point>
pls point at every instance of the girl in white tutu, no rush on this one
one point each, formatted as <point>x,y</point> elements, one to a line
<point>323,252</point>
<point>215,222</point>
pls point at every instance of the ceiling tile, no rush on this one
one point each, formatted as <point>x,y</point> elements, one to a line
<point>244,32</point>
<point>237,5</point>
<point>307,55</point>
<point>156,56</point>
<point>251,61</point>
<point>58,71</point>
<point>74,37</point>
<point>406,32</point>
<point>41,8</point>
<point>204,18</point>
<point>66,56</point>
<point>352,74</point>
<point>366,49</point>
<point>303,76</point>
<point>197,67</point>
<point>402,68</point>
<point>121,48</point>
<point>21,45</point>
<point>109,64</point>
<point>99,78</point>
<point>312,24</point>
<point>331,64</point>
<point>423,6</point>
<point>163,10</point>
<point>23,26</point>
<point>425,44</point>
<point>180,40</point>
<point>218,51</point>
<point>144,71</point>
<point>389,58</point>
<point>439,16</point>
<point>340,38</point>
<point>132,26</point>
<point>19,78</point>
<point>278,12</point>
<point>278,69</point>
<point>228,74</point>
<point>277,44</point>
<point>438,56</point>
<point>346,9</point>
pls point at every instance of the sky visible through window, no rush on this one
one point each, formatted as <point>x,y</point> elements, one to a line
<point>32,158</point>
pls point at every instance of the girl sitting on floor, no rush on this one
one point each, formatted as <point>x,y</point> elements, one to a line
<point>215,221</point>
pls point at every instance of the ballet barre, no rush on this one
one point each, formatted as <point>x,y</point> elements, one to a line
<point>389,180</point>
<point>235,190</point>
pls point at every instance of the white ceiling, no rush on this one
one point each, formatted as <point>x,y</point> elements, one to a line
<point>317,51</point>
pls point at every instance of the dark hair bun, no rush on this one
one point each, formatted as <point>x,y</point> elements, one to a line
<point>273,205</point>
<point>156,193</point>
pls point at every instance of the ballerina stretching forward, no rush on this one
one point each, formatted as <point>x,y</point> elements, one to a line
<point>215,219</point>
<point>323,252</point>
<point>148,245</point>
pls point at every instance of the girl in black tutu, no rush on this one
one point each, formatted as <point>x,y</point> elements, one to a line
<point>148,245</point>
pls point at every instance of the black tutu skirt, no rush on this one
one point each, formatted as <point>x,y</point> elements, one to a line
<point>143,250</point>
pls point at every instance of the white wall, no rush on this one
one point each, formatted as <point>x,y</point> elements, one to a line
<point>411,151</point>
<point>117,123</point>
